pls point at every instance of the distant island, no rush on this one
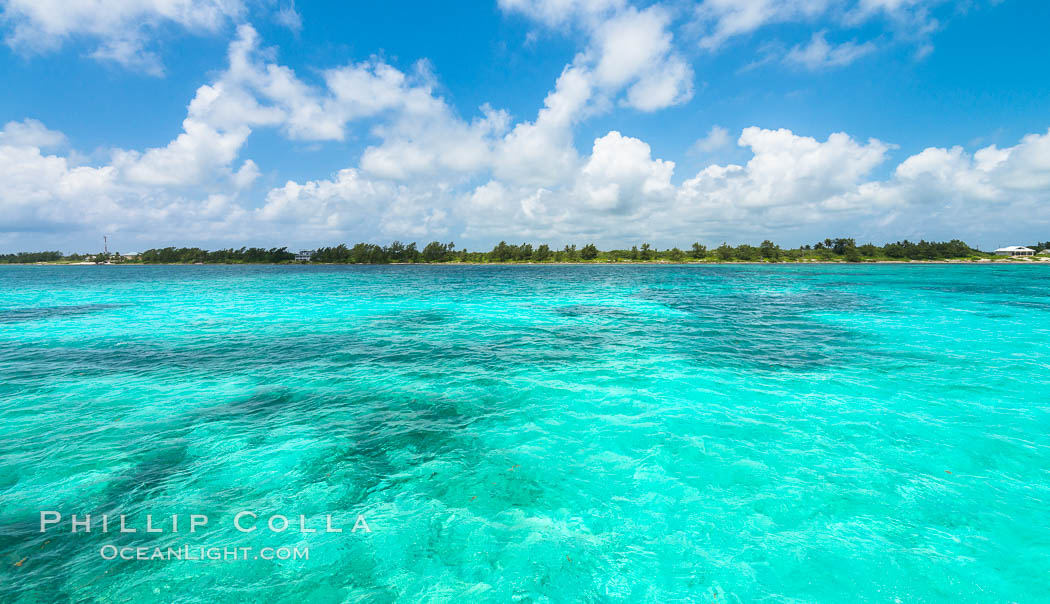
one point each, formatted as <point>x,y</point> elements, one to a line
<point>828,250</point>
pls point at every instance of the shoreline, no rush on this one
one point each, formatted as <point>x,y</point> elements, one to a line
<point>989,261</point>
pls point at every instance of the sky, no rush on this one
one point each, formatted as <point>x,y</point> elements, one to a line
<point>222,123</point>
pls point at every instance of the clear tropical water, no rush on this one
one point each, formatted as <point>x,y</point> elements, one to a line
<point>533,434</point>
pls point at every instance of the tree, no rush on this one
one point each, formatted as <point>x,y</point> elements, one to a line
<point>502,252</point>
<point>839,246</point>
<point>676,255</point>
<point>338,254</point>
<point>698,251</point>
<point>724,252</point>
<point>524,252</point>
<point>748,253</point>
<point>369,253</point>
<point>848,248</point>
<point>769,250</point>
<point>396,251</point>
<point>542,253</point>
<point>435,252</point>
<point>647,252</point>
<point>589,252</point>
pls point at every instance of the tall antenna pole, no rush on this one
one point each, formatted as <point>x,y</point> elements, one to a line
<point>105,245</point>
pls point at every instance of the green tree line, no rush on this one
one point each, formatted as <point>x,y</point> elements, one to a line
<point>840,249</point>
<point>30,257</point>
<point>194,255</point>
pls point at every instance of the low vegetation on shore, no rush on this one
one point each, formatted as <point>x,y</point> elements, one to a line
<point>828,250</point>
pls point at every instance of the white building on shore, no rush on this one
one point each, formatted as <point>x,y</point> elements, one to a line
<point>1015,250</point>
<point>304,255</point>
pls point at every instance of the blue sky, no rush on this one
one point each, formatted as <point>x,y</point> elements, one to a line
<point>230,122</point>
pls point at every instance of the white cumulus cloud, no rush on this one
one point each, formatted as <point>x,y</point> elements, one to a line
<point>30,133</point>
<point>122,28</point>
<point>819,54</point>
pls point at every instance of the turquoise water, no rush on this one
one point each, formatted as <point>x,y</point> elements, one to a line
<point>532,434</point>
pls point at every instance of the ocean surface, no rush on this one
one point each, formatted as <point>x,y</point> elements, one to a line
<point>872,433</point>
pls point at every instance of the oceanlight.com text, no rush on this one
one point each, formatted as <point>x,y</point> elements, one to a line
<point>203,553</point>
